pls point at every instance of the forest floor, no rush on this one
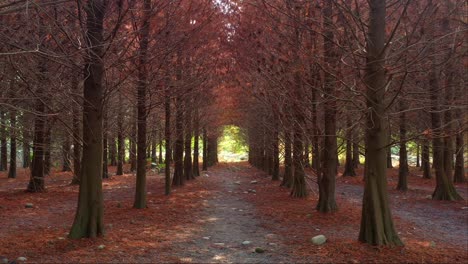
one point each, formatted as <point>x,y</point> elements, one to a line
<point>223,216</point>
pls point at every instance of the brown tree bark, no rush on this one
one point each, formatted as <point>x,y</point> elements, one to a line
<point>66,164</point>
<point>349,163</point>
<point>196,143</point>
<point>205,151</point>
<point>120,138</point>
<point>3,142</point>
<point>76,136</point>
<point>167,139</point>
<point>425,162</point>
<point>36,182</point>
<point>89,216</point>
<point>376,222</point>
<point>327,200</point>
<point>105,148</point>
<point>140,187</point>
<point>188,172</point>
<point>13,128</point>
<point>288,166</point>
<point>178,178</point>
<point>403,167</point>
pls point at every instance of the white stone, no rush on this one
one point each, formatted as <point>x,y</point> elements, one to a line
<point>101,247</point>
<point>21,259</point>
<point>206,238</point>
<point>245,243</point>
<point>319,240</point>
<point>254,182</point>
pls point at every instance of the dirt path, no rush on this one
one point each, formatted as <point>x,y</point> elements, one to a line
<point>230,220</point>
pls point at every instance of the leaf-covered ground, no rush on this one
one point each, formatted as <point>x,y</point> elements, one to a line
<point>208,219</point>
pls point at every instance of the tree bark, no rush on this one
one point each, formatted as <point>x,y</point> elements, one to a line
<point>66,166</point>
<point>167,136</point>
<point>178,178</point>
<point>403,167</point>
<point>48,146</point>
<point>133,140</point>
<point>120,138</point>
<point>356,161</point>
<point>12,169</point>
<point>418,155</point>
<point>376,222</point>
<point>36,182</point>
<point>288,166</point>
<point>205,151</point>
<point>425,163</point>
<point>459,175</point>
<point>275,172</point>
<point>327,200</point>
<point>3,142</point>
<point>188,172</point>
<point>76,136</point>
<point>89,216</point>
<point>349,163</point>
<point>105,148</point>
<point>140,188</point>
<point>196,143</point>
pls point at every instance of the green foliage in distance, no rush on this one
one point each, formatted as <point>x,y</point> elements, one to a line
<point>232,145</point>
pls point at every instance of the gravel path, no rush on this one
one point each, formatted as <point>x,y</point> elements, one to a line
<point>229,222</point>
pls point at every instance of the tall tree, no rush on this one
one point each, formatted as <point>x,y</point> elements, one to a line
<point>13,128</point>
<point>89,218</point>
<point>376,222</point>
<point>140,192</point>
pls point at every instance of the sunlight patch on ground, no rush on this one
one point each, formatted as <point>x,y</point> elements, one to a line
<point>219,257</point>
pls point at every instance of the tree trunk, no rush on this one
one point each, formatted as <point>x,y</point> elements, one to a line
<point>120,138</point>
<point>167,137</point>
<point>76,135</point>
<point>89,220</point>
<point>389,148</point>
<point>288,166</point>
<point>403,167</point>
<point>299,188</point>
<point>426,165</point>
<point>205,151</point>
<point>349,163</point>
<point>12,169</point>
<point>459,175</point>
<point>418,155</point>
<point>275,172</point>
<point>66,164</point>
<point>3,142</point>
<point>444,186</point>
<point>26,152</point>
<point>196,144</point>
<point>154,148</point>
<point>376,222</point>
<point>212,150</point>
<point>188,172</point>
<point>140,187</point>
<point>36,182</point>
<point>327,201</point>
<point>133,139</point>
<point>105,134</point>
<point>178,178</point>
<point>48,147</point>
<point>112,151</point>
<point>356,161</point>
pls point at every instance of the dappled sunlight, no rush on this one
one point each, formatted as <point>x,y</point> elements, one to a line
<point>232,146</point>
